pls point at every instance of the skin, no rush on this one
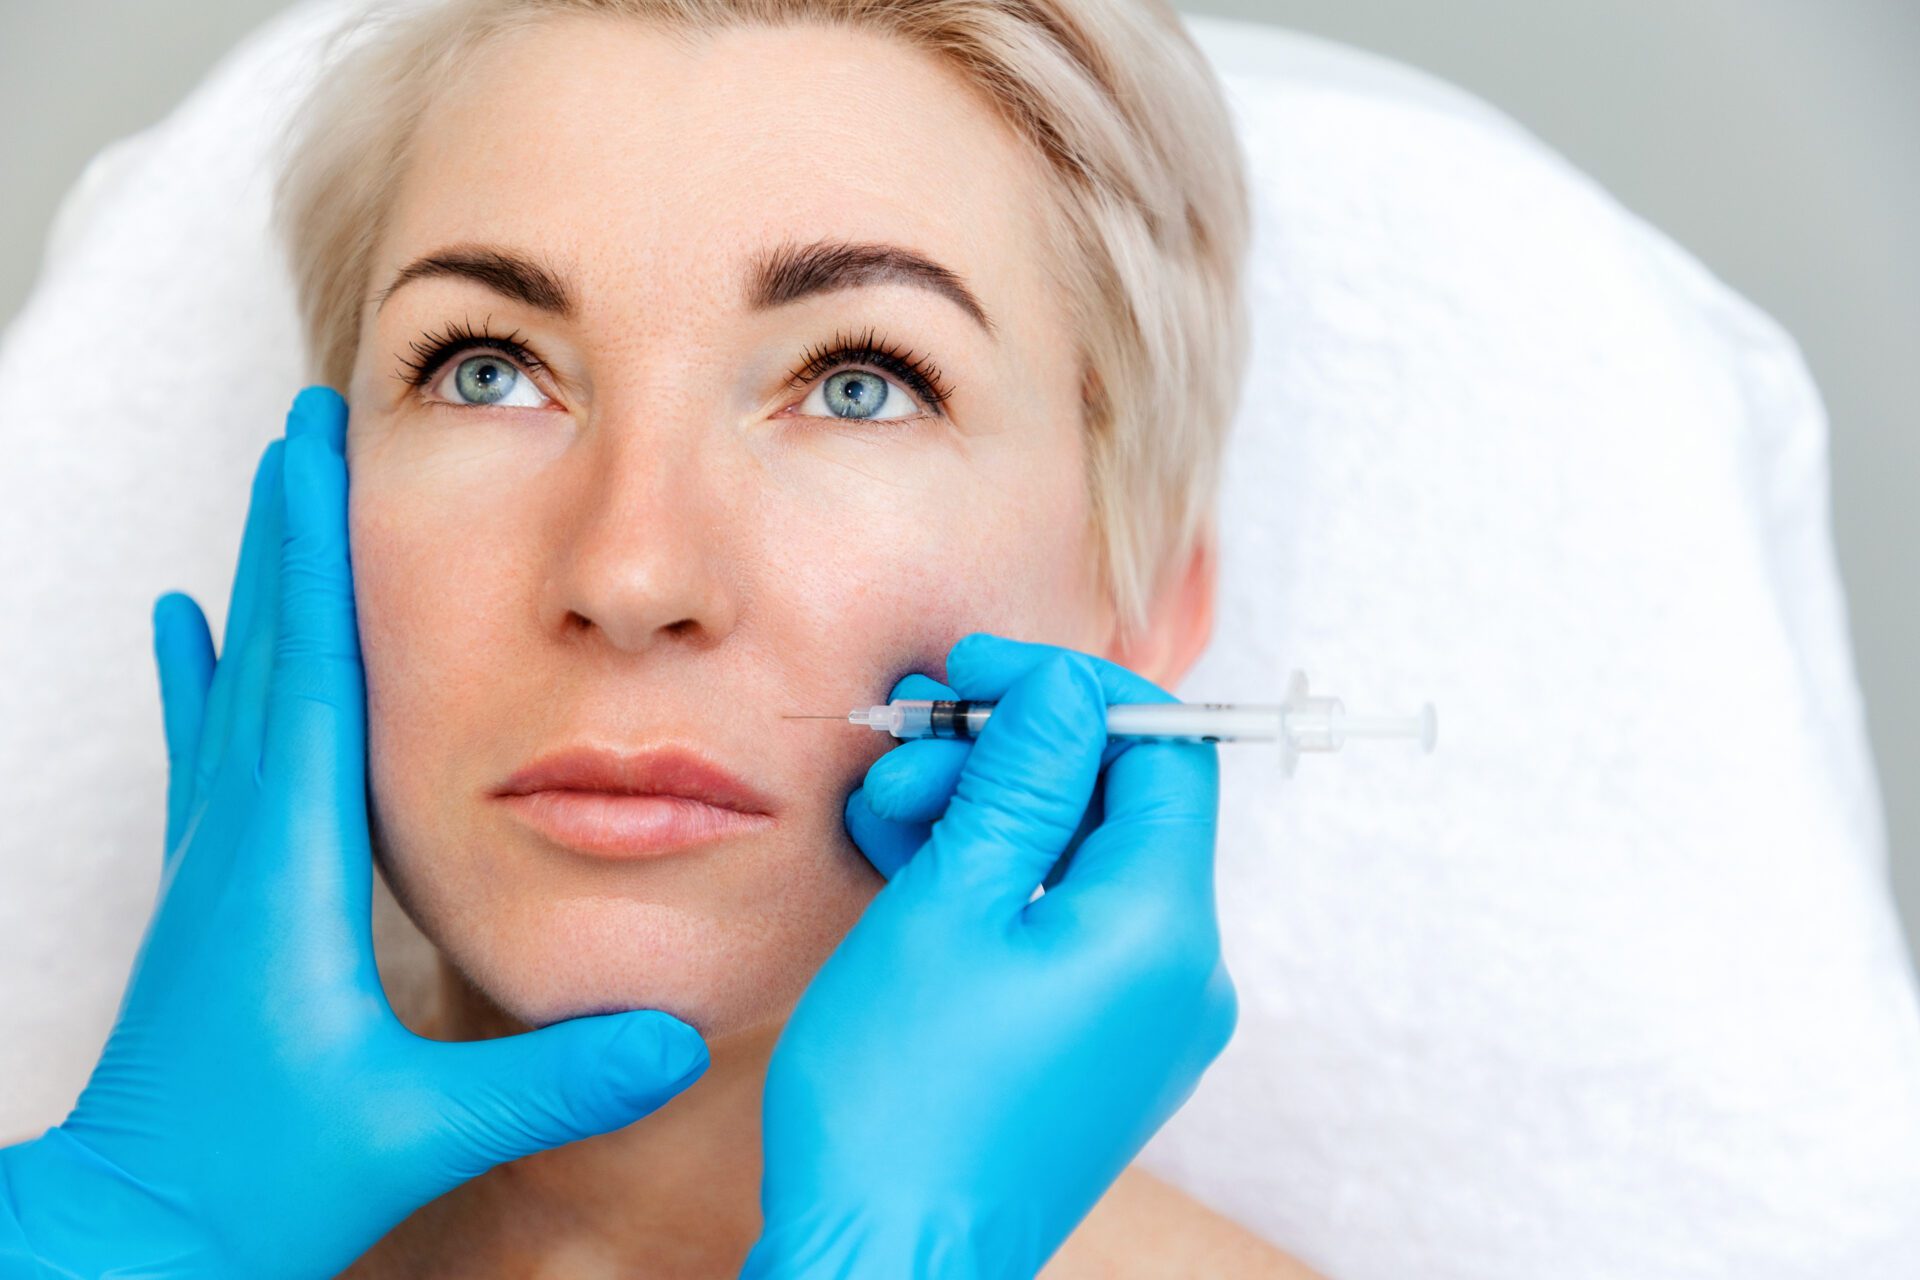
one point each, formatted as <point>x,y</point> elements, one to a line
<point>662,524</point>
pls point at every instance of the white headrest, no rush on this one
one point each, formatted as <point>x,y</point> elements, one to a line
<point>1609,985</point>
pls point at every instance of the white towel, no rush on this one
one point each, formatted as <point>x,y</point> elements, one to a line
<point>1610,985</point>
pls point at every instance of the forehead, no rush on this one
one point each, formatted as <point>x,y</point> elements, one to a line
<point>636,156</point>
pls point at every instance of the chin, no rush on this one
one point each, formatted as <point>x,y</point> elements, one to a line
<point>576,956</point>
<point>517,938</point>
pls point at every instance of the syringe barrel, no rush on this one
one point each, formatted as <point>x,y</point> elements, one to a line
<point>1195,721</point>
<point>1314,724</point>
<point>1179,721</point>
<point>1303,723</point>
<point>926,718</point>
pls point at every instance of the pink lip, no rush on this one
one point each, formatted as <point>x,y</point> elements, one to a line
<point>633,805</point>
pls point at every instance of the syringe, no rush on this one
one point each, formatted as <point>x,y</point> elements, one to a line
<point>1301,723</point>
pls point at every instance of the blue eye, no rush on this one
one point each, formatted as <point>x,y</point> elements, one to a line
<point>488,377</point>
<point>860,395</point>
<point>493,380</point>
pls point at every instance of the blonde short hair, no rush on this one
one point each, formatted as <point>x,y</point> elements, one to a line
<point>1148,214</point>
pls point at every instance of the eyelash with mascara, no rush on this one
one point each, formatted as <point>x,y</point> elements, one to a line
<point>435,350</point>
<point>922,378</point>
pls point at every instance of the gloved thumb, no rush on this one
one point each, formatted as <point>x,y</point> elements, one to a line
<point>183,652</point>
<point>515,1095</point>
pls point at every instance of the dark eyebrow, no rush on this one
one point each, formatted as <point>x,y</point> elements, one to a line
<point>501,270</point>
<point>795,271</point>
<point>779,276</point>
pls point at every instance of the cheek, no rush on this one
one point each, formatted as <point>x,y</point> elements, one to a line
<point>432,541</point>
<point>429,606</point>
<point>926,549</point>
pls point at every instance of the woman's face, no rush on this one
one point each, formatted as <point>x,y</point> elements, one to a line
<point>657,534</point>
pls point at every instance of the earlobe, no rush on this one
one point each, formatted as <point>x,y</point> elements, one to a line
<point>1179,619</point>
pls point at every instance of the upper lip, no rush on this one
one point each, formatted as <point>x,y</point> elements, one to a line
<point>659,770</point>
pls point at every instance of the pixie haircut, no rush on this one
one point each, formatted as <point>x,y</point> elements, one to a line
<point>1146,215</point>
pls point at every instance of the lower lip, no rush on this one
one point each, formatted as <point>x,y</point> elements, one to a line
<point>609,825</point>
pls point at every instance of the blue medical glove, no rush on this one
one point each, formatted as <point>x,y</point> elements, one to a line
<point>971,1070</point>
<point>258,1110</point>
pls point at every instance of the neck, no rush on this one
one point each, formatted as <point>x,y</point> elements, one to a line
<point>676,1192</point>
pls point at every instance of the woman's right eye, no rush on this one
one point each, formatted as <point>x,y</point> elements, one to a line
<point>486,380</point>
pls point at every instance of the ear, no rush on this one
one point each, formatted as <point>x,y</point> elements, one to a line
<point>1179,618</point>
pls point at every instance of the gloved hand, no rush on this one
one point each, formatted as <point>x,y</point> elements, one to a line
<point>259,1110</point>
<point>970,1071</point>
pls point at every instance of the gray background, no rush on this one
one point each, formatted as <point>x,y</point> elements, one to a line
<point>1778,140</point>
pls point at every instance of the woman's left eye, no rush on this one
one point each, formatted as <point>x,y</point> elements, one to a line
<point>859,395</point>
<point>488,380</point>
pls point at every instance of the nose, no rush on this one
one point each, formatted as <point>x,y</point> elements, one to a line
<point>646,527</point>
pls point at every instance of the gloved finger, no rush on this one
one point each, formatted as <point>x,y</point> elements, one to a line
<point>890,815</point>
<point>315,747</point>
<point>913,781</point>
<point>889,840</point>
<point>253,584</point>
<point>917,684</point>
<point>1025,785</point>
<point>514,1095</point>
<point>1142,878</point>
<point>1171,786</point>
<point>989,662</point>
<point>1153,851</point>
<point>886,843</point>
<point>183,652</point>
<point>907,789</point>
<point>1089,823</point>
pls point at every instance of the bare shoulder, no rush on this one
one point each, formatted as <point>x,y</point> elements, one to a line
<point>1147,1228</point>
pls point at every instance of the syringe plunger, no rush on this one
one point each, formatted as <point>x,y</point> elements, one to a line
<point>1322,724</point>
